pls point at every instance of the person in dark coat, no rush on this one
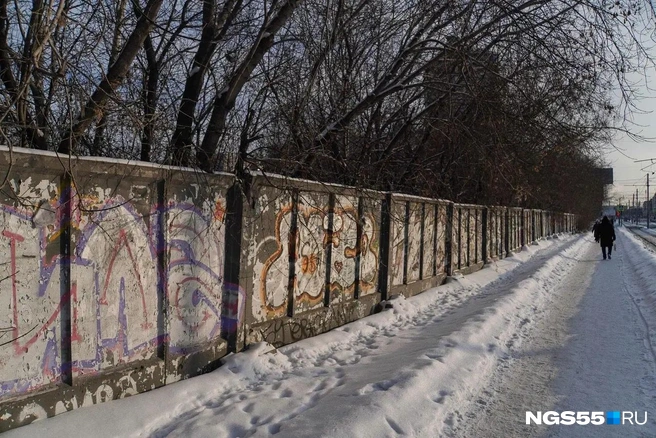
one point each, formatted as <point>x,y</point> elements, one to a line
<point>605,235</point>
<point>594,229</point>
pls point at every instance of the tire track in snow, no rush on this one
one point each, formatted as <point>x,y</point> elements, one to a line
<point>520,381</point>
<point>625,287</point>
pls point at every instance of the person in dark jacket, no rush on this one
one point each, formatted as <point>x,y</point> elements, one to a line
<point>605,235</point>
<point>594,229</point>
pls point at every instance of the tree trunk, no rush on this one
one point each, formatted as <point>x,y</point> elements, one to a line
<point>225,101</point>
<point>112,79</point>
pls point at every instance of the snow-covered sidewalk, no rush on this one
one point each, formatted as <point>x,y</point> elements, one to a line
<point>551,328</point>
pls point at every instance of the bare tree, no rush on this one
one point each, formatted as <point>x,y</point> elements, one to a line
<point>474,101</point>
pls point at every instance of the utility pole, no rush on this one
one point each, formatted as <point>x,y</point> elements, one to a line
<point>648,202</point>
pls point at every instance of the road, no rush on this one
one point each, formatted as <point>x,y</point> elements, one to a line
<point>592,351</point>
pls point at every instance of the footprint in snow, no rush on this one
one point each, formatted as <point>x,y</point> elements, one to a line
<point>435,355</point>
<point>442,395</point>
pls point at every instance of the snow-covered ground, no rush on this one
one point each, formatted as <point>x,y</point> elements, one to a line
<point>552,328</point>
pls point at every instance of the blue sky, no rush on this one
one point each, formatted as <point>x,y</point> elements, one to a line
<point>629,175</point>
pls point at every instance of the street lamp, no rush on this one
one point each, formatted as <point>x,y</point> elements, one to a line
<point>648,202</point>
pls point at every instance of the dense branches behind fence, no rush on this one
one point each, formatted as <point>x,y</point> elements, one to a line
<point>487,102</point>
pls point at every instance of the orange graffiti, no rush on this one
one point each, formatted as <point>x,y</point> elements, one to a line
<point>310,260</point>
<point>279,310</point>
<point>219,211</point>
<point>309,264</point>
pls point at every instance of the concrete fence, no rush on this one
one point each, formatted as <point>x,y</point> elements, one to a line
<point>117,278</point>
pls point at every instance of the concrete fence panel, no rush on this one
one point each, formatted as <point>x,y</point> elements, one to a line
<point>193,211</point>
<point>515,228</point>
<point>495,233</point>
<point>33,277</point>
<point>311,257</point>
<point>467,238</point>
<point>429,241</point>
<point>110,278</point>
<point>418,245</point>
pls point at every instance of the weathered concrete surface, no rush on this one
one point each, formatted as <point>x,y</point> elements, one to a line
<point>311,254</point>
<point>344,249</point>
<point>57,399</point>
<point>195,212</point>
<point>429,241</point>
<point>114,288</point>
<point>371,208</point>
<point>397,242</point>
<point>31,268</point>
<point>113,267</point>
<point>467,238</point>
<point>418,230</point>
<point>285,330</point>
<point>496,233</point>
<point>514,229</point>
<point>414,230</point>
<point>441,237</point>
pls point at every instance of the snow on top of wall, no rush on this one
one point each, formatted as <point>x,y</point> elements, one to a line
<point>26,151</point>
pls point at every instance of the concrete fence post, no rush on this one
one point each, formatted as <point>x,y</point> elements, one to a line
<point>293,235</point>
<point>232,265</point>
<point>162,268</point>
<point>448,240</point>
<point>486,240</point>
<point>65,280</point>
<point>385,254</point>
<point>329,247</point>
<point>406,243</point>
<point>358,247</point>
<point>507,233</point>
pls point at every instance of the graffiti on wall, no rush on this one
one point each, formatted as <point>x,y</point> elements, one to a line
<point>271,250</point>
<point>282,331</point>
<point>414,242</point>
<point>464,234</point>
<point>479,235</point>
<point>196,242</point>
<point>472,232</point>
<point>433,239</point>
<point>369,248</point>
<point>29,324</point>
<point>311,240</point>
<point>313,237</point>
<point>398,243</point>
<point>515,229</point>
<point>114,276</point>
<point>344,249</point>
<point>495,232</point>
<point>429,241</point>
<point>114,282</point>
<point>93,392</point>
<point>491,234</point>
<point>440,257</point>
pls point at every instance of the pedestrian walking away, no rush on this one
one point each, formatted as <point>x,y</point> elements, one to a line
<point>594,229</point>
<point>605,235</point>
